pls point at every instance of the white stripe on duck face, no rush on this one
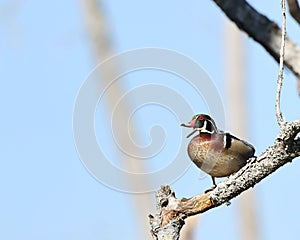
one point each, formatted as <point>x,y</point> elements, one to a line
<point>205,130</point>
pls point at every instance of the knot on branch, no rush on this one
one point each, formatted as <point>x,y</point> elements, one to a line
<point>289,132</point>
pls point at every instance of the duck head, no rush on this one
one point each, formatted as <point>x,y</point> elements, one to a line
<point>202,123</point>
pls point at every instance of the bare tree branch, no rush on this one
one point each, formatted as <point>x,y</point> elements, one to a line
<point>171,212</point>
<point>262,30</point>
<point>294,9</point>
<point>279,116</point>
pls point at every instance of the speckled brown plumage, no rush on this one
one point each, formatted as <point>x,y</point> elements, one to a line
<point>207,151</point>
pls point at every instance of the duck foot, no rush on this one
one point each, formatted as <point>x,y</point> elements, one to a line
<point>213,186</point>
<point>210,189</point>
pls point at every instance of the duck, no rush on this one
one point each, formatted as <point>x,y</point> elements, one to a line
<point>214,151</point>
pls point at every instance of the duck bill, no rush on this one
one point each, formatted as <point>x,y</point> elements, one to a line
<point>191,124</point>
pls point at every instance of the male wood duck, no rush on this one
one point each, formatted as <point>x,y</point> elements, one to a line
<point>215,152</point>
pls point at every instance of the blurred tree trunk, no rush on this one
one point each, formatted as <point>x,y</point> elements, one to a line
<point>237,115</point>
<point>188,231</point>
<point>98,31</point>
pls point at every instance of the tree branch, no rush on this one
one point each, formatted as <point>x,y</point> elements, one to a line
<point>294,9</point>
<point>262,30</point>
<point>279,116</point>
<point>171,212</point>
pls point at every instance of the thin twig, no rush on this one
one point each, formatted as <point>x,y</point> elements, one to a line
<point>279,116</point>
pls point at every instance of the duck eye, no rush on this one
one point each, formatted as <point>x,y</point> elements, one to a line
<point>201,118</point>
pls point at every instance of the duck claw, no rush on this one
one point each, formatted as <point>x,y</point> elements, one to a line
<point>210,189</point>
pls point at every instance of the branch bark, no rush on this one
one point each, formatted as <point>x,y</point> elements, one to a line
<point>262,30</point>
<point>171,212</point>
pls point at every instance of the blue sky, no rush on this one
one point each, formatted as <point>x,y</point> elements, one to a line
<point>46,193</point>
